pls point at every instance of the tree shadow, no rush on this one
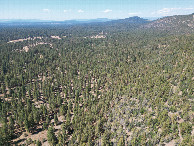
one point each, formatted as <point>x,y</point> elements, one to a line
<point>17,142</point>
<point>59,123</point>
<point>37,131</point>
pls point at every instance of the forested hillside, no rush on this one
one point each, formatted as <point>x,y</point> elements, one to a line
<point>174,24</point>
<point>125,82</point>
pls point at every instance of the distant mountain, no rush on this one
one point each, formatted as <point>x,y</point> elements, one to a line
<point>151,18</point>
<point>177,23</point>
<point>125,24</point>
<point>94,20</point>
<point>36,21</point>
<point>132,20</point>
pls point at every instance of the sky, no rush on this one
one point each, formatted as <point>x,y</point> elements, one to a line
<point>60,10</point>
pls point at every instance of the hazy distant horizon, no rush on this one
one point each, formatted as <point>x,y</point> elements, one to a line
<point>61,10</point>
<point>42,20</point>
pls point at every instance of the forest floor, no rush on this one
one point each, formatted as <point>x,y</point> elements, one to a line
<point>171,143</point>
<point>41,135</point>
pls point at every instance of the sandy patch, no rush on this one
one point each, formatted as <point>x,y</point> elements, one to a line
<point>171,143</point>
<point>26,49</point>
<point>55,37</point>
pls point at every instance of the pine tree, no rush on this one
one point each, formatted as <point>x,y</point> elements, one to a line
<point>26,125</point>
<point>121,142</point>
<point>106,139</point>
<point>55,119</point>
<point>11,127</point>
<point>38,143</point>
<point>52,139</point>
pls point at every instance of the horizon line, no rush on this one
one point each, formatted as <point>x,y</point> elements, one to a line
<point>14,19</point>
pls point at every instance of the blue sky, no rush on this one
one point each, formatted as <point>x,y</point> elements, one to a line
<point>91,9</point>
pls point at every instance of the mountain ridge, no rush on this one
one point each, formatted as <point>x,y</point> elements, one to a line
<point>177,23</point>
